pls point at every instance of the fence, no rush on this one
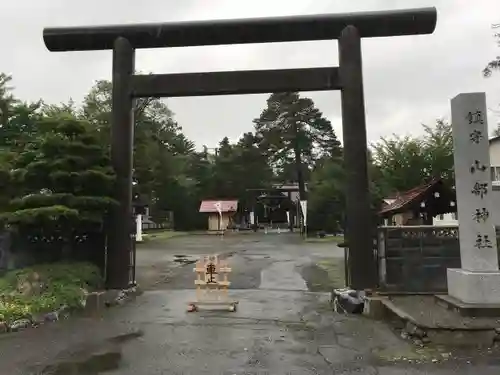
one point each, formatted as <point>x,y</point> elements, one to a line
<point>151,226</point>
<point>18,251</point>
<point>414,259</point>
<point>23,251</point>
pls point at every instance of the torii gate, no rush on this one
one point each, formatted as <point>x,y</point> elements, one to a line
<point>348,28</point>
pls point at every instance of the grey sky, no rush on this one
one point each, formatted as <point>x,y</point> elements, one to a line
<point>408,80</point>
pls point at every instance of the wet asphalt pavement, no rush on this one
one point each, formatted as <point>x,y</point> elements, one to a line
<point>280,327</point>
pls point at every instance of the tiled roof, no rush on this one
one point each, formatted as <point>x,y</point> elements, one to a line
<point>405,199</point>
<point>225,206</point>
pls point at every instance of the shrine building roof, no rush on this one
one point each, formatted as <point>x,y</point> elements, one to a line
<point>404,201</point>
<point>211,206</point>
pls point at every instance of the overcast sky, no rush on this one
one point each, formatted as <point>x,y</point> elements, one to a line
<point>408,80</point>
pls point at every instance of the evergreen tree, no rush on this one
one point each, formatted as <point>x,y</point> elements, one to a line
<point>292,132</point>
<point>239,167</point>
<point>162,154</point>
<point>63,182</point>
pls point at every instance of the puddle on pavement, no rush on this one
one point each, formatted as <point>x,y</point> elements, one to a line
<point>183,259</point>
<point>120,339</point>
<point>98,361</point>
<point>94,365</point>
<point>324,276</point>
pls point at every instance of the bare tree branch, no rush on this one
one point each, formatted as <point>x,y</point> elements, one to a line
<point>141,105</point>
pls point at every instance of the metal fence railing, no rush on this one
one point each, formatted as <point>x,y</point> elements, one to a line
<point>415,259</point>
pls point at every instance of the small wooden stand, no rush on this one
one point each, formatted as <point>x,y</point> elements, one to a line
<point>210,291</point>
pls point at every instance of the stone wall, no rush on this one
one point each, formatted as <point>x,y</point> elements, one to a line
<point>5,255</point>
<point>10,257</point>
<point>19,252</point>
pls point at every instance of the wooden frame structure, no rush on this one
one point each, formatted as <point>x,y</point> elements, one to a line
<point>210,291</point>
<point>348,28</point>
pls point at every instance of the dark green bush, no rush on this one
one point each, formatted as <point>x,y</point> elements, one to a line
<point>62,284</point>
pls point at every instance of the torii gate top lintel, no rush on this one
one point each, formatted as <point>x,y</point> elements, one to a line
<point>242,31</point>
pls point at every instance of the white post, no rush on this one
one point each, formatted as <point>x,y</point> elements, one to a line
<point>218,207</point>
<point>138,226</point>
<point>303,206</point>
<point>478,281</point>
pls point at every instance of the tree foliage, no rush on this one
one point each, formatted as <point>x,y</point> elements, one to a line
<point>290,130</point>
<point>61,190</point>
<point>64,172</point>
<point>7,99</point>
<point>495,63</point>
<point>491,67</point>
<point>162,153</point>
<point>326,204</point>
<point>405,162</point>
<point>240,166</point>
<point>56,179</point>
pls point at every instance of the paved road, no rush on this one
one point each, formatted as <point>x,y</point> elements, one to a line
<point>281,327</point>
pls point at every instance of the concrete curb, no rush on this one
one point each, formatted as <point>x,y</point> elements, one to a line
<point>422,334</point>
<point>93,303</point>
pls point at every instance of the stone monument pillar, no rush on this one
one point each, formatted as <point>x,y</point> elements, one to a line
<point>478,281</point>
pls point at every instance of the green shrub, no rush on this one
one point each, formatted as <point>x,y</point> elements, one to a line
<point>61,284</point>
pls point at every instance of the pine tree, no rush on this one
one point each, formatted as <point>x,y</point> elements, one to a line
<point>63,183</point>
<point>292,132</point>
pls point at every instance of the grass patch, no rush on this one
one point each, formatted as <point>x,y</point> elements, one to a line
<point>325,275</point>
<point>335,270</point>
<point>160,235</point>
<point>45,288</point>
<point>334,239</point>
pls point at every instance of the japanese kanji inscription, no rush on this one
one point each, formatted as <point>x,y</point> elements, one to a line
<point>473,183</point>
